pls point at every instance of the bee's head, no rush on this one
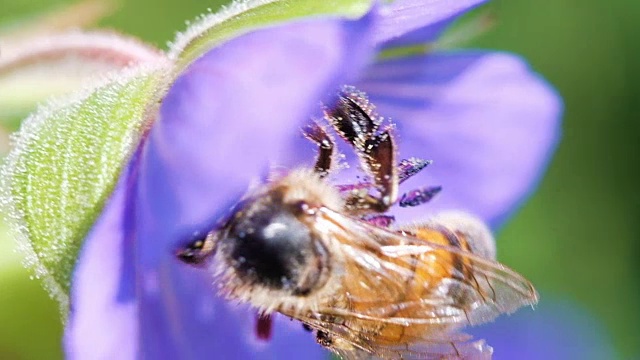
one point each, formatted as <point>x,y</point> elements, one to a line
<point>268,244</point>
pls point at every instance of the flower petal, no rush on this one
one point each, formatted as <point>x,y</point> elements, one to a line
<point>487,121</point>
<point>182,317</point>
<point>103,320</point>
<point>232,114</point>
<point>418,21</point>
<point>225,121</point>
<point>555,330</point>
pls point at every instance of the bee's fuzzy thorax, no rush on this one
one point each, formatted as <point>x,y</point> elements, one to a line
<point>304,184</point>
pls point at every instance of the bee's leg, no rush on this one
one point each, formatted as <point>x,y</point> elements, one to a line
<point>379,161</point>
<point>383,221</point>
<point>326,148</point>
<point>198,250</point>
<point>354,119</point>
<point>264,326</point>
<point>406,169</point>
<point>379,158</point>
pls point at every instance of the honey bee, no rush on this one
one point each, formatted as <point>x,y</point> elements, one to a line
<point>331,257</point>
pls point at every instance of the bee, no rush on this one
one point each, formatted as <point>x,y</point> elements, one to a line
<point>331,256</point>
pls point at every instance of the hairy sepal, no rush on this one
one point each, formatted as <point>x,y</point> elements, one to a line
<point>66,160</point>
<point>243,16</point>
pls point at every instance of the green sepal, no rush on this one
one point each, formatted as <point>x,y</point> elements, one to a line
<point>244,16</point>
<point>65,164</point>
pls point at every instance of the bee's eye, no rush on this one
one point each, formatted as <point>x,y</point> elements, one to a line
<point>196,251</point>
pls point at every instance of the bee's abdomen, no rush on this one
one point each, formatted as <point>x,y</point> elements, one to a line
<point>441,264</point>
<point>438,271</point>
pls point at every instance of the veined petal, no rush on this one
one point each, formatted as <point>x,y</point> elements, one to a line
<point>103,319</point>
<point>418,21</point>
<point>230,116</point>
<point>489,123</point>
<point>224,123</point>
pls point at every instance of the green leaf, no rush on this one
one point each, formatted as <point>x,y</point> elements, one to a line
<point>66,162</point>
<point>244,16</point>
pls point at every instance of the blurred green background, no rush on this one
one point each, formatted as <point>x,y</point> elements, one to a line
<point>578,238</point>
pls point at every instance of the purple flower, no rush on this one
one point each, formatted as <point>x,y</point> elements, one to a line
<point>489,123</point>
<point>554,330</point>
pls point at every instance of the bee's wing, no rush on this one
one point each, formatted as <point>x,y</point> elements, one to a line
<point>450,347</point>
<point>382,269</point>
<point>383,261</point>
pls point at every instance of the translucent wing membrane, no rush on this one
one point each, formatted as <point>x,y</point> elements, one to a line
<point>452,346</point>
<point>382,259</point>
<point>405,293</point>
